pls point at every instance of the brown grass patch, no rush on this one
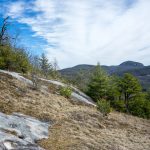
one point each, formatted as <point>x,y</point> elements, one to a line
<point>75,126</point>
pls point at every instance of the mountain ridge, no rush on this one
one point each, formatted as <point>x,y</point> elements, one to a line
<point>137,69</point>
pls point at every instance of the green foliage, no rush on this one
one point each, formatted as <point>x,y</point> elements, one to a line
<point>130,85</point>
<point>66,92</point>
<point>130,88</point>
<point>80,80</point>
<point>103,106</point>
<point>14,59</point>
<point>148,95</point>
<point>22,63</point>
<point>132,100</point>
<point>140,107</point>
<point>113,88</point>
<point>98,86</point>
<point>118,105</point>
<point>45,66</point>
<point>6,58</point>
<point>124,94</point>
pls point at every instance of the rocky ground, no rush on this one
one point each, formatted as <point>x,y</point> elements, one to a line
<point>75,125</point>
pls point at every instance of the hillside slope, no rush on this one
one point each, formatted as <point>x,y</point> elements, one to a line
<point>75,125</point>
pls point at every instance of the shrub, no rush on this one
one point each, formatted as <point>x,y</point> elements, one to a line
<point>140,107</point>
<point>148,95</point>
<point>118,105</point>
<point>14,59</point>
<point>66,92</point>
<point>104,107</point>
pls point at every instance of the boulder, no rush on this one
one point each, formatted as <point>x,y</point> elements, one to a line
<point>20,132</point>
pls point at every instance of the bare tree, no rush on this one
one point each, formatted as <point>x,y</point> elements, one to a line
<point>36,81</point>
<point>55,65</point>
<point>55,68</point>
<point>15,38</point>
<point>3,33</point>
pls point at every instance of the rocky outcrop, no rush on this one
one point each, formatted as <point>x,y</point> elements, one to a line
<point>17,76</point>
<point>21,132</point>
<point>77,95</point>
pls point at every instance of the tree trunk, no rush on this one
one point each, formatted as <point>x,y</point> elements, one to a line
<point>126,102</point>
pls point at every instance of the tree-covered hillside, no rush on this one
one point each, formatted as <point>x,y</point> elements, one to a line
<point>137,69</point>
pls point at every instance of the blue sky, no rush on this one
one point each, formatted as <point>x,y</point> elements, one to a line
<point>82,31</point>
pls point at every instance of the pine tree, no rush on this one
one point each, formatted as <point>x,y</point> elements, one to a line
<point>113,88</point>
<point>130,88</point>
<point>45,65</point>
<point>98,86</point>
<point>148,95</point>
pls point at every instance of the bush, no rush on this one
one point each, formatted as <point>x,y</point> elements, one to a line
<point>66,92</point>
<point>104,107</point>
<point>14,59</point>
<point>118,105</point>
<point>148,95</point>
<point>140,107</point>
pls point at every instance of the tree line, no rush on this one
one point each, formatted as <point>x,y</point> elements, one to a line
<point>18,59</point>
<point>122,93</point>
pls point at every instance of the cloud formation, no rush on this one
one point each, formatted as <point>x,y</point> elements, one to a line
<point>88,31</point>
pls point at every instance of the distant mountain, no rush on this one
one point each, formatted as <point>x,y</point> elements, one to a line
<point>137,69</point>
<point>74,70</point>
<point>131,64</point>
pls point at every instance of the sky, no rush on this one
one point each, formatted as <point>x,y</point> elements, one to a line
<point>82,31</point>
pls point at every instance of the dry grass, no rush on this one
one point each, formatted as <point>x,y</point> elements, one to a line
<point>75,127</point>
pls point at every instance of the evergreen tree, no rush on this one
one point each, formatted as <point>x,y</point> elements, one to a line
<point>45,65</point>
<point>148,95</point>
<point>113,88</point>
<point>79,79</point>
<point>130,88</point>
<point>98,86</point>
<point>22,63</point>
<point>6,57</point>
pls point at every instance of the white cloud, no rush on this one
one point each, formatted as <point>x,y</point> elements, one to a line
<point>16,9</point>
<point>87,31</point>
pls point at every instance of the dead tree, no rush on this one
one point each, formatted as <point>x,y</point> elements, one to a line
<point>3,35</point>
